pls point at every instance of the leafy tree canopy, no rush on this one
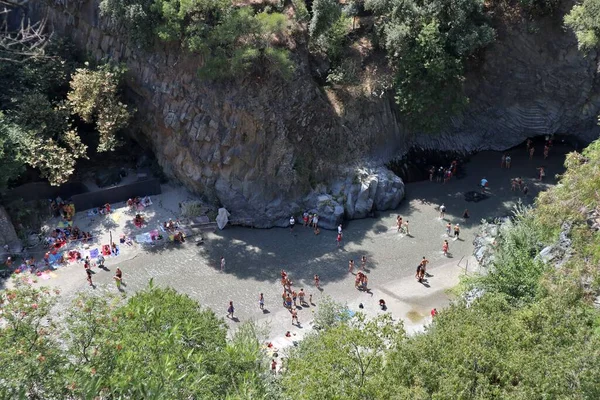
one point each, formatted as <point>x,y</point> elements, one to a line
<point>428,43</point>
<point>157,345</point>
<point>38,109</point>
<point>235,40</point>
<point>584,20</point>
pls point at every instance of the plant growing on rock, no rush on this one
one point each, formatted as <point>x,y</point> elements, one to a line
<point>428,44</point>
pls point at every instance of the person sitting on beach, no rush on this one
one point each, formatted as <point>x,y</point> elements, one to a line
<point>179,237</point>
<point>130,203</point>
<point>170,225</point>
<point>146,202</point>
<point>115,249</point>
<point>138,221</point>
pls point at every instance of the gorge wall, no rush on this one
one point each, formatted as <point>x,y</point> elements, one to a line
<point>266,148</point>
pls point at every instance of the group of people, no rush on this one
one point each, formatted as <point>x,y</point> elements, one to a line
<point>59,207</point>
<point>402,225</point>
<point>290,298</point>
<point>518,184</point>
<point>61,236</point>
<point>137,203</point>
<point>361,281</point>
<point>118,278</point>
<point>442,174</point>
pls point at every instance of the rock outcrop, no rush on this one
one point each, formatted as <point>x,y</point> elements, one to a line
<point>260,147</point>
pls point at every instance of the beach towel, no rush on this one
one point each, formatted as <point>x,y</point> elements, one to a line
<point>94,253</point>
<point>45,276</point>
<point>92,213</point>
<point>115,217</point>
<point>64,224</point>
<point>143,238</point>
<point>54,258</point>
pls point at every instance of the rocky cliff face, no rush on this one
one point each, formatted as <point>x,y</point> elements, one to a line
<point>267,148</point>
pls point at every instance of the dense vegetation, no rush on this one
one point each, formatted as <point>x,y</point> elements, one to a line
<point>531,332</point>
<point>234,40</point>
<point>584,20</point>
<point>428,44</point>
<point>157,345</point>
<point>41,103</point>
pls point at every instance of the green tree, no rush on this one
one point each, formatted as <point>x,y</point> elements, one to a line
<point>32,361</point>
<point>345,360</point>
<point>94,96</point>
<point>236,40</point>
<point>182,347</point>
<point>584,20</point>
<point>428,43</point>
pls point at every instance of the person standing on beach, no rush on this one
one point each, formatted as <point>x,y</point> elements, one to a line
<point>456,231</point>
<point>295,316</point>
<point>531,151</point>
<point>292,223</point>
<point>339,239</point>
<point>317,281</point>
<point>363,262</point>
<point>88,271</point>
<point>508,161</point>
<point>399,223</point>
<point>442,211</point>
<point>340,229</point>
<point>406,228</point>
<point>315,222</point>
<point>449,229</point>
<point>261,302</point>
<point>424,263</point>
<point>351,266</point>
<point>222,264</point>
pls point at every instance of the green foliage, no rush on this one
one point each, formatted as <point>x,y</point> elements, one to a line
<point>31,361</point>
<point>428,43</point>
<point>94,96</point>
<point>495,351</point>
<point>515,271</point>
<point>301,12</point>
<point>537,8</point>
<point>344,361</point>
<point>324,14</point>
<point>36,124</point>
<point>584,20</point>
<point>234,40</point>
<point>158,345</point>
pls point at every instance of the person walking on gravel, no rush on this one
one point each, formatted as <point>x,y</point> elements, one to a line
<point>230,310</point>
<point>449,229</point>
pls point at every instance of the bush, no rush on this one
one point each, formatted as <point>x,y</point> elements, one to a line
<point>428,44</point>
<point>584,20</point>
<point>234,40</point>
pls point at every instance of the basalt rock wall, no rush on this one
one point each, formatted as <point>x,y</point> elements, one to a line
<point>265,148</point>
